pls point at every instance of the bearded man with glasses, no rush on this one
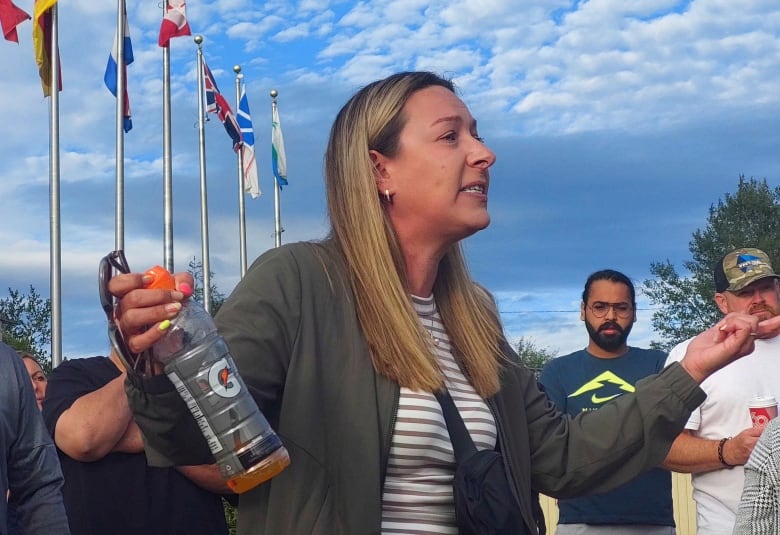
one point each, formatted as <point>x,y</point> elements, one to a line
<point>588,379</point>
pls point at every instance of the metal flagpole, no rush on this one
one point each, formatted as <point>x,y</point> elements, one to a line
<point>167,162</point>
<point>277,201</point>
<point>204,215</point>
<point>55,247</point>
<point>119,223</point>
<point>241,178</point>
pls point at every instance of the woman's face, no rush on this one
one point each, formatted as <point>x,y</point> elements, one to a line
<point>38,379</point>
<point>439,177</point>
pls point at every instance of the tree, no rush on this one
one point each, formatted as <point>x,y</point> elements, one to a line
<point>217,298</point>
<point>533,356</point>
<point>750,217</point>
<point>27,323</point>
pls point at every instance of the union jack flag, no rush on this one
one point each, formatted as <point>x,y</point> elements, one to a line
<point>216,103</point>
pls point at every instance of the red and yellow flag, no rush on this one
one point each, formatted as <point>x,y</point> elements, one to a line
<point>42,43</point>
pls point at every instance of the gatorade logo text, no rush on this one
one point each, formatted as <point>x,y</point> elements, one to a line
<point>222,379</point>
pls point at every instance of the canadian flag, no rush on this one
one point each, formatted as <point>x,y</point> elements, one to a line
<point>174,23</point>
<point>11,16</point>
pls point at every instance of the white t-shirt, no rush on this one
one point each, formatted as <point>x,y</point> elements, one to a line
<point>725,414</point>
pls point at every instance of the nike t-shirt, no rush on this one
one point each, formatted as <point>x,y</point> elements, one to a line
<point>580,382</point>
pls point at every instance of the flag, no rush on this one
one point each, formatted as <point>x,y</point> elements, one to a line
<point>42,43</point>
<point>11,16</point>
<point>174,23</point>
<point>251,184</point>
<point>216,103</point>
<point>110,77</point>
<point>278,158</point>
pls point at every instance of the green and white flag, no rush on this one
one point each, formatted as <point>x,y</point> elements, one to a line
<point>278,158</point>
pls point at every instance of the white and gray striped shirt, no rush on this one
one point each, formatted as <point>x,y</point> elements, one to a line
<point>417,497</point>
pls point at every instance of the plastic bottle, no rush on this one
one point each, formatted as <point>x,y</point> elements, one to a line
<point>198,363</point>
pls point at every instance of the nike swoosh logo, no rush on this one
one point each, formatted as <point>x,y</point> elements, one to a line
<point>596,399</point>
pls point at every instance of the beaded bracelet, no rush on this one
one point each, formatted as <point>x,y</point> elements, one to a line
<point>720,453</point>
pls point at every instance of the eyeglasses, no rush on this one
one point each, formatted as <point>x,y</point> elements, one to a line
<point>115,260</point>
<point>601,308</point>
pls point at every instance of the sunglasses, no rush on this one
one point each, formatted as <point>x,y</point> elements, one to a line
<point>116,261</point>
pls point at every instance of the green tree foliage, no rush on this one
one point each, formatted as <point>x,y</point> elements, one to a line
<point>27,323</point>
<point>533,356</point>
<point>750,217</point>
<point>231,516</point>
<point>216,297</point>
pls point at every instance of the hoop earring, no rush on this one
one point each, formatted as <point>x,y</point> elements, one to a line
<point>388,197</point>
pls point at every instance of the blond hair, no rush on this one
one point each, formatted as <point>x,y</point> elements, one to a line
<point>400,347</point>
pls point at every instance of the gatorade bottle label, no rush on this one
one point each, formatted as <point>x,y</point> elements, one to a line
<point>259,451</point>
<point>208,433</point>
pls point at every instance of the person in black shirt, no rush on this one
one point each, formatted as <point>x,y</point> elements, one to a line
<point>108,486</point>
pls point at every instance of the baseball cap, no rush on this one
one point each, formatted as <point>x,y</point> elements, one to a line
<point>742,267</point>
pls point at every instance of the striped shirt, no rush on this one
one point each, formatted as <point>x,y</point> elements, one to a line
<point>417,497</point>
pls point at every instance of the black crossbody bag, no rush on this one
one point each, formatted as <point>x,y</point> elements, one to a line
<point>484,504</point>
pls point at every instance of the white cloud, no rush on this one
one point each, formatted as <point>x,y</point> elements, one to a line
<point>611,118</point>
<point>296,32</point>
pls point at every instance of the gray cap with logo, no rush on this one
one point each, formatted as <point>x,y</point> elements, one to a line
<point>742,267</point>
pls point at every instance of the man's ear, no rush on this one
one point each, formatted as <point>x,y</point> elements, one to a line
<point>582,311</point>
<point>722,303</point>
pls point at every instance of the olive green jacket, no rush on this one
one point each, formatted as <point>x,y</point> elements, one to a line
<point>293,331</point>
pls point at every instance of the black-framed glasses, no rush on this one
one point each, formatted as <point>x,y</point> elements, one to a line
<point>622,310</point>
<point>115,260</point>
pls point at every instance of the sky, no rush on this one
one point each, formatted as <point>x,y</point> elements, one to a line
<point>616,124</point>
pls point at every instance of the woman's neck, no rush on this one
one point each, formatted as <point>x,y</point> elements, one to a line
<point>421,271</point>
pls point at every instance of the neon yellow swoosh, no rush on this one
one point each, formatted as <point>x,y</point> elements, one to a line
<point>596,399</point>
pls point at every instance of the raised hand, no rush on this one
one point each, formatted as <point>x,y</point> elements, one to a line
<point>141,313</point>
<point>728,340</point>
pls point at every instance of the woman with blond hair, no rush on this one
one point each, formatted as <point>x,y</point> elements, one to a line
<point>343,342</point>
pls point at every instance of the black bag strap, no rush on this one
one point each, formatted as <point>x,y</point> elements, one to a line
<point>462,444</point>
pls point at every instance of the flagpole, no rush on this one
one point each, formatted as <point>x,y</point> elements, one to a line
<point>277,200</point>
<point>167,161</point>
<point>241,178</point>
<point>55,242</point>
<point>204,215</point>
<point>119,223</point>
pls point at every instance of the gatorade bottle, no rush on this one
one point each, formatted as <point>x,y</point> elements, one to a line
<point>198,363</point>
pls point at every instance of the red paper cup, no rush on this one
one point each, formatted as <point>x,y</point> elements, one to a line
<point>762,409</point>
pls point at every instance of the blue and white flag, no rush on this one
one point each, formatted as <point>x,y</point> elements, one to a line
<point>251,183</point>
<point>278,158</point>
<point>110,76</point>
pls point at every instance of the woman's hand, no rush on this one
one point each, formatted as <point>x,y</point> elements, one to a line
<point>141,313</point>
<point>731,338</point>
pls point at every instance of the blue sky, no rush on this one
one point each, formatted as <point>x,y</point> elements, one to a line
<point>616,125</point>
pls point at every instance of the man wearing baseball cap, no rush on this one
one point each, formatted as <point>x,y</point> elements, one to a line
<point>719,436</point>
